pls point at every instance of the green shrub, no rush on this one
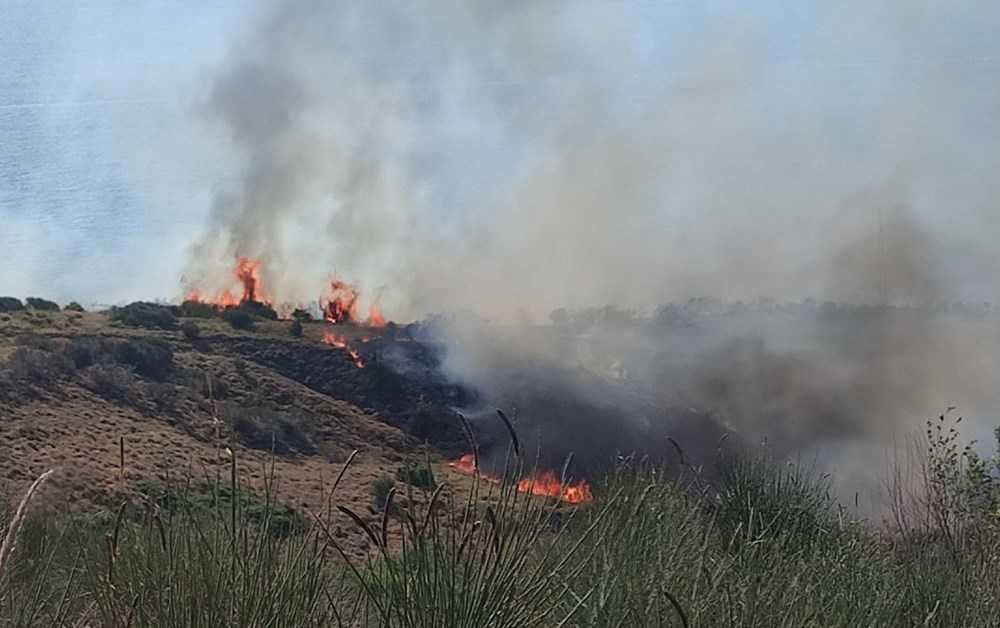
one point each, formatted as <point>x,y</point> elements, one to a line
<point>150,357</point>
<point>257,309</point>
<point>148,315</point>
<point>42,304</point>
<point>296,328</point>
<point>380,489</point>
<point>73,306</point>
<point>197,309</point>
<point>421,476</point>
<point>84,351</point>
<point>191,330</point>
<point>10,304</point>
<point>239,319</point>
<point>218,499</point>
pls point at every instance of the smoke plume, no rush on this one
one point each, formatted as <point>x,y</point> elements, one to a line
<point>516,158</point>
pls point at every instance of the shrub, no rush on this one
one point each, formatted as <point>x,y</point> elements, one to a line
<point>238,319</point>
<point>278,519</point>
<point>111,381</point>
<point>73,306</point>
<point>42,304</point>
<point>296,328</point>
<point>148,315</point>
<point>258,310</point>
<point>151,357</point>
<point>37,366</point>
<point>267,429</point>
<point>421,476</point>
<point>302,315</point>
<point>163,395</point>
<point>197,309</point>
<point>10,304</point>
<point>84,352</point>
<point>191,330</point>
<point>380,489</point>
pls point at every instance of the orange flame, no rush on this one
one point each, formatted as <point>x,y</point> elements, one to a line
<point>340,303</point>
<point>247,272</point>
<point>340,342</point>
<point>375,316</point>
<point>545,484</point>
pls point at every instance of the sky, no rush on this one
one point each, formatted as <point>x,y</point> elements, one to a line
<point>111,162</point>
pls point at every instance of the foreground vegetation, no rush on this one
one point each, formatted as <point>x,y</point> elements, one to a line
<point>763,544</point>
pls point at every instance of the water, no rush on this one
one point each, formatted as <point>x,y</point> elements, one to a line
<point>100,166</point>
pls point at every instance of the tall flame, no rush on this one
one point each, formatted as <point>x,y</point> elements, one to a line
<point>247,273</point>
<point>545,484</point>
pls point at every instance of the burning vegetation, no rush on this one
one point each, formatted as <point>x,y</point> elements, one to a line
<point>340,305</point>
<point>544,484</point>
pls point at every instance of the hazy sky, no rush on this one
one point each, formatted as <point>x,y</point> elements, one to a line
<point>109,165</point>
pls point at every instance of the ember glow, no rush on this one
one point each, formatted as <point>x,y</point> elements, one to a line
<point>545,484</point>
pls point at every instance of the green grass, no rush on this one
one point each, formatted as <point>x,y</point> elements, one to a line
<point>763,546</point>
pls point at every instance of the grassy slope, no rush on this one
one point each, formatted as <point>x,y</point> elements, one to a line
<point>70,428</point>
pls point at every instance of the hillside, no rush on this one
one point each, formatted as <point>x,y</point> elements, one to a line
<point>76,386</point>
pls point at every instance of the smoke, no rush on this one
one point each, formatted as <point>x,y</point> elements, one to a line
<point>520,157</point>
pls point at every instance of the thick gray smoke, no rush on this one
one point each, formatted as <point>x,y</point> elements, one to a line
<point>513,158</point>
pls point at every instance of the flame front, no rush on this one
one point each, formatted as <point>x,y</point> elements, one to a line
<point>545,484</point>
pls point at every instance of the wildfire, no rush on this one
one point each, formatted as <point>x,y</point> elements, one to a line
<point>340,306</point>
<point>545,484</point>
<point>340,342</point>
<point>247,272</point>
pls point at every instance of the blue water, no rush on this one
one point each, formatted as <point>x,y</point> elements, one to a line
<point>96,97</point>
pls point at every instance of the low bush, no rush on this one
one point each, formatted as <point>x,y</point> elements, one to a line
<point>216,499</point>
<point>380,489</point>
<point>36,303</point>
<point>191,330</point>
<point>239,319</point>
<point>296,328</point>
<point>150,357</point>
<point>148,315</point>
<point>197,309</point>
<point>10,304</point>
<point>73,306</point>
<point>421,476</point>
<point>268,429</point>
<point>111,381</point>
